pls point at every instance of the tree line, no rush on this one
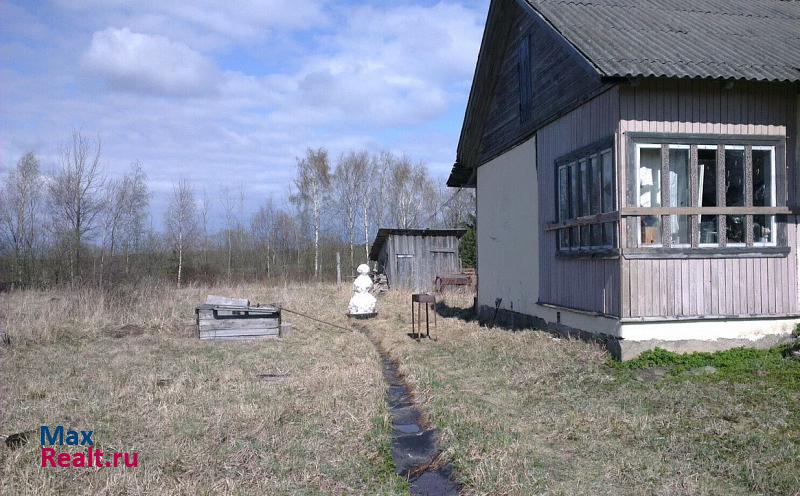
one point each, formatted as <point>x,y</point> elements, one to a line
<point>76,224</point>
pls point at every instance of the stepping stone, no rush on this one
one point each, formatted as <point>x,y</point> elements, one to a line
<point>398,396</point>
<point>413,450</point>
<point>434,483</point>
<point>406,428</point>
<point>405,415</point>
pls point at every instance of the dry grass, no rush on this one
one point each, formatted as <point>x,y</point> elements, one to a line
<point>524,413</point>
<point>519,413</point>
<point>126,366</point>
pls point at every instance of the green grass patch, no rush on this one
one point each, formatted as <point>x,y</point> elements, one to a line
<point>737,364</point>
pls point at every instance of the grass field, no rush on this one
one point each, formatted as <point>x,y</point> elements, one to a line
<point>519,413</point>
<point>525,413</point>
<point>199,414</point>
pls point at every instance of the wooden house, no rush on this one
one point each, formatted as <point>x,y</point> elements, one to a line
<point>412,258</point>
<point>636,165</point>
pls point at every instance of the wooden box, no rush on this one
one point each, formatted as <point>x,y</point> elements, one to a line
<point>227,322</point>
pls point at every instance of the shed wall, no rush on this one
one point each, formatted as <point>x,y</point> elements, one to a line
<point>589,284</point>
<point>413,262</point>
<point>711,287</point>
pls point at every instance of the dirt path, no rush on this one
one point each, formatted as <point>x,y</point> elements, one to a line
<point>414,450</point>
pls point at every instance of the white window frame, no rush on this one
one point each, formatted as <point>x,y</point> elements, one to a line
<point>639,147</point>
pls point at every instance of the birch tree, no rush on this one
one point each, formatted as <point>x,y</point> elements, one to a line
<point>181,221</point>
<point>126,202</point>
<point>313,185</point>
<point>20,208</point>
<point>349,187</point>
<point>228,206</point>
<point>75,195</point>
<point>262,226</point>
<point>411,194</point>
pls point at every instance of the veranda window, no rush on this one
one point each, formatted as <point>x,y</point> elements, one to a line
<point>586,200</point>
<point>704,192</point>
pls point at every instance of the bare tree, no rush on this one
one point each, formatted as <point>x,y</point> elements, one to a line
<point>76,194</point>
<point>262,226</point>
<point>349,190</point>
<point>135,207</point>
<point>411,193</point>
<point>373,205</point>
<point>228,206</point>
<point>126,201</point>
<point>313,184</point>
<point>458,206</point>
<point>181,221</point>
<point>19,214</point>
<point>204,202</point>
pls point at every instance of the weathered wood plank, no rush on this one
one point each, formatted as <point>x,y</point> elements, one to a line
<point>224,300</point>
<point>242,324</point>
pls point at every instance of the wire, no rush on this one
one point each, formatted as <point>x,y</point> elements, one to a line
<point>446,202</point>
<point>316,319</point>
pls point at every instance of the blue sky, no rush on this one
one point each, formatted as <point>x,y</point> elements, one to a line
<point>232,92</point>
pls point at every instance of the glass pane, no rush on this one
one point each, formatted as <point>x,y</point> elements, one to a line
<point>597,235</point>
<point>574,197</point>
<point>650,177</point>
<point>734,177</point>
<point>734,229</point>
<point>609,234</point>
<point>679,226</point>
<point>596,186</point>
<point>707,178</point>
<point>650,229</point>
<point>563,194</point>
<point>608,182</point>
<point>763,178</point>
<point>679,177</point>
<point>708,229</point>
<point>763,229</point>
<point>585,180</point>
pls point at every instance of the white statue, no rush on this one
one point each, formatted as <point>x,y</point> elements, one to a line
<point>362,303</point>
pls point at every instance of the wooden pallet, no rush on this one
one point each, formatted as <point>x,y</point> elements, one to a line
<point>234,322</point>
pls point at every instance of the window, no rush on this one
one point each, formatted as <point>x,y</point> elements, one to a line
<point>763,194</point>
<point>703,192</point>
<point>586,196</point>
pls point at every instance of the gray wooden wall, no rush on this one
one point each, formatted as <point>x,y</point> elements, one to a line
<point>552,77</point>
<point>432,256</point>
<point>585,283</point>
<point>711,287</point>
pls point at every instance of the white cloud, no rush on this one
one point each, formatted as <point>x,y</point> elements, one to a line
<point>150,64</point>
<point>204,23</point>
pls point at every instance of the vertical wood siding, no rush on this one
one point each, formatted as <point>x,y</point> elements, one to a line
<point>585,284</point>
<point>432,256</point>
<point>710,287</point>
<point>554,80</point>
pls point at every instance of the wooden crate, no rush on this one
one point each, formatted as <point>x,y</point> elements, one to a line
<point>227,322</point>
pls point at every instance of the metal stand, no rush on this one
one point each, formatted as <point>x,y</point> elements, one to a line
<point>427,300</point>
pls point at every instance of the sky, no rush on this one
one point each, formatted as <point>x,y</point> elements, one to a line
<point>231,93</point>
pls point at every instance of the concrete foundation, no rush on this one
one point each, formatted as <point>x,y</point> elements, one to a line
<point>628,340</point>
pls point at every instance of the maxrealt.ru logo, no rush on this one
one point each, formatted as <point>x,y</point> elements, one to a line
<point>92,457</point>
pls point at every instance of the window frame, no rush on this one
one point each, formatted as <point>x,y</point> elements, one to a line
<point>631,212</point>
<point>593,224</point>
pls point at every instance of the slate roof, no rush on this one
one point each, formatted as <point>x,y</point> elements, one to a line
<point>757,40</point>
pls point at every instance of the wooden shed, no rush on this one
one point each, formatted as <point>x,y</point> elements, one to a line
<point>412,258</point>
<point>637,170</point>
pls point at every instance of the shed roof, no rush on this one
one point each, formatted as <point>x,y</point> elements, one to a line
<point>757,40</point>
<point>384,233</point>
